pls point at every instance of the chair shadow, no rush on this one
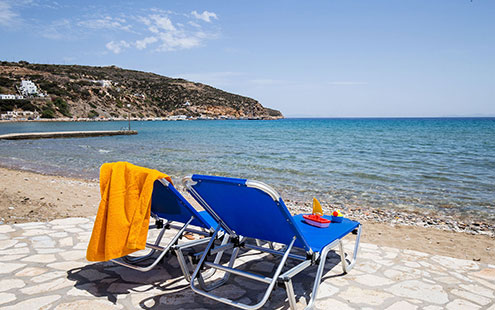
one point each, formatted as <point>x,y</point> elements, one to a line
<point>107,279</point>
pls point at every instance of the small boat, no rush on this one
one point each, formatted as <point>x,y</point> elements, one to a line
<point>316,220</point>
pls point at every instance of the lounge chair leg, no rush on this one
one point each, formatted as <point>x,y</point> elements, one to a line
<point>321,266</point>
<point>225,277</point>
<point>342,257</point>
<point>290,294</point>
<point>183,265</point>
<point>347,267</point>
<point>219,255</point>
<point>227,301</point>
<point>209,273</point>
<point>319,274</point>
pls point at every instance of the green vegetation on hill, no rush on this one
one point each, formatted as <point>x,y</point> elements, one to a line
<point>82,91</point>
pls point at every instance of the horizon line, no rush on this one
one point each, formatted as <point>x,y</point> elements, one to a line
<point>370,117</point>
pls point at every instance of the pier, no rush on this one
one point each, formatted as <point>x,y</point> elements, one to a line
<point>65,134</point>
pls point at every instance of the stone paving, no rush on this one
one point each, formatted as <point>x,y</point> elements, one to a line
<point>43,266</point>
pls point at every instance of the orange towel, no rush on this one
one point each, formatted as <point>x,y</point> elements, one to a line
<point>121,225</point>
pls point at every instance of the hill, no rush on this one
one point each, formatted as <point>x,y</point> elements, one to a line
<point>110,92</point>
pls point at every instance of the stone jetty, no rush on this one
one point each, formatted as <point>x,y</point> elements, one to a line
<point>65,134</point>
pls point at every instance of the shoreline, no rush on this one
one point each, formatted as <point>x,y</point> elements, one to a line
<point>391,216</point>
<point>32,197</point>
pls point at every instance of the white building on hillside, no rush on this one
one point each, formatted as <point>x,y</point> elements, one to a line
<point>28,88</point>
<point>105,83</point>
<point>20,115</point>
<point>5,97</point>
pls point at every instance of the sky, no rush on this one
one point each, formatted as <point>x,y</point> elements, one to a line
<point>305,58</point>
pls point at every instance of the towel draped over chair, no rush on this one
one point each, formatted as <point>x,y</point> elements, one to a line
<point>122,221</point>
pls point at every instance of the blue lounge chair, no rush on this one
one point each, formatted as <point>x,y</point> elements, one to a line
<point>251,209</point>
<point>171,210</point>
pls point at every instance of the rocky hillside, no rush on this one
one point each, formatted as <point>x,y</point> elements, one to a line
<point>111,92</point>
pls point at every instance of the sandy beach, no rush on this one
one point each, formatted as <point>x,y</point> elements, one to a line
<point>31,197</point>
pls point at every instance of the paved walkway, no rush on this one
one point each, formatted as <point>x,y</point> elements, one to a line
<point>43,266</point>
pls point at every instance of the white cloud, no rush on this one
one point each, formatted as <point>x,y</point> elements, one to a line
<point>174,41</point>
<point>159,29</point>
<point>205,16</point>
<point>172,36</point>
<point>106,22</point>
<point>194,24</point>
<point>117,47</point>
<point>57,30</point>
<point>163,22</point>
<point>7,16</point>
<point>141,44</point>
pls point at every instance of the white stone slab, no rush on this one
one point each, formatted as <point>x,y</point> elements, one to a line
<point>479,290</point>
<point>36,232</point>
<point>30,272</point>
<point>402,305</point>
<point>455,263</point>
<point>8,258</point>
<point>42,241</point>
<point>69,221</point>
<point>40,258</point>
<point>9,267</point>
<point>6,297</point>
<point>372,280</point>
<point>88,304</point>
<point>73,255</point>
<point>48,276</point>
<point>472,297</point>
<point>47,286</point>
<point>66,242</point>
<point>5,244</point>
<point>331,304</point>
<point>419,290</point>
<point>356,295</point>
<point>460,304</point>
<point>485,273</point>
<point>8,284</point>
<point>59,234</point>
<point>14,251</point>
<point>34,303</point>
<point>6,229</point>
<point>66,265</point>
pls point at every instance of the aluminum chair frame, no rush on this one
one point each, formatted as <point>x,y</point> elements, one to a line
<point>173,245</point>
<point>311,258</point>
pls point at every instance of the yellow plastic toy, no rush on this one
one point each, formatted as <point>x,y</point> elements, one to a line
<point>337,213</point>
<point>317,207</point>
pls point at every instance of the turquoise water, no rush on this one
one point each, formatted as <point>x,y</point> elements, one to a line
<point>445,165</point>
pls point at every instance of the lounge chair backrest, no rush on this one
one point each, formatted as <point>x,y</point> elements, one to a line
<point>249,208</point>
<point>168,203</point>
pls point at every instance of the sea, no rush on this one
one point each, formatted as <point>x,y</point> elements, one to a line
<point>436,165</point>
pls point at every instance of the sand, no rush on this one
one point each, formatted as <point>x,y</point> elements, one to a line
<point>31,197</point>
